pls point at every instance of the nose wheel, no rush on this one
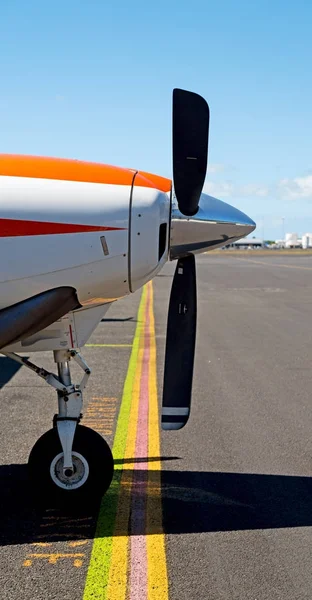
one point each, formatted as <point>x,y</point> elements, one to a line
<point>69,462</point>
<point>88,479</point>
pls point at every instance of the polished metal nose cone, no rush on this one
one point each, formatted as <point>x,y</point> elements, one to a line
<point>215,224</point>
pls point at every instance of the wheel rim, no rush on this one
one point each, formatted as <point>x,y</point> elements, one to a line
<point>74,481</point>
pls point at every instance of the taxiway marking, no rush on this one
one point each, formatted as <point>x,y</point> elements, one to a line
<point>56,527</point>
<point>261,262</point>
<point>156,551</point>
<point>108,345</point>
<point>100,414</point>
<point>54,558</point>
<point>127,559</point>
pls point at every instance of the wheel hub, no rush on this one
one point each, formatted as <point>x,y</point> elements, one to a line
<point>70,479</point>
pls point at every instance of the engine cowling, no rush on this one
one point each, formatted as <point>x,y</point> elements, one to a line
<point>150,210</point>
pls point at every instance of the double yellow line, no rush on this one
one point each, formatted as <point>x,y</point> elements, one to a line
<point>111,570</point>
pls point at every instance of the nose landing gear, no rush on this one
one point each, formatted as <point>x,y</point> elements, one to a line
<point>69,462</point>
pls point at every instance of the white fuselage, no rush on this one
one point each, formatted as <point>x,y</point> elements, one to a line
<point>101,270</point>
<point>102,230</point>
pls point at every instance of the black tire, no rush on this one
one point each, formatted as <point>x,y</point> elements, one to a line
<point>93,449</point>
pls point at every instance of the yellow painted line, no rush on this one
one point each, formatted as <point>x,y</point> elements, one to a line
<point>108,573</point>
<point>64,535</point>
<point>267,264</point>
<point>104,398</point>
<point>100,419</point>
<point>100,422</point>
<point>99,409</point>
<point>78,562</point>
<point>118,575</point>
<point>107,429</point>
<point>103,425</point>
<point>61,521</point>
<point>53,558</point>
<point>109,409</point>
<point>157,578</point>
<point>41,544</point>
<point>101,415</point>
<point>108,345</point>
<point>99,576</point>
<point>57,519</point>
<point>85,526</point>
<point>78,543</point>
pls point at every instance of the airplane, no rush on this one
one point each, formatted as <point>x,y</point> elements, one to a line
<point>76,236</point>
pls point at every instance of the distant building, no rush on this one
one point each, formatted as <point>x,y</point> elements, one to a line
<point>247,243</point>
<point>307,240</point>
<point>292,241</point>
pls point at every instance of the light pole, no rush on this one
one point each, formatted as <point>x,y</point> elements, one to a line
<point>283,229</point>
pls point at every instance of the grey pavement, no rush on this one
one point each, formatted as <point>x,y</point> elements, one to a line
<point>236,483</point>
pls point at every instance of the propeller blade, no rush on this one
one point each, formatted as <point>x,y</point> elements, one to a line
<point>180,346</point>
<point>190,148</point>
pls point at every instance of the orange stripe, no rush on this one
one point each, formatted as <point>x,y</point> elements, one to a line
<point>58,168</point>
<point>161,183</point>
<point>16,227</point>
<point>41,167</point>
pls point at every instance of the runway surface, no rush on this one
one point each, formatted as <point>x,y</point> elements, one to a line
<point>221,510</point>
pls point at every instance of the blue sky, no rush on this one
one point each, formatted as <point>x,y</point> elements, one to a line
<point>93,80</point>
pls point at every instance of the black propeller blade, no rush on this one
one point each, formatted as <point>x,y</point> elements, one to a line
<point>190,153</point>
<point>190,120</point>
<point>180,346</point>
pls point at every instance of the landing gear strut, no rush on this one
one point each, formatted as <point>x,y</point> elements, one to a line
<point>70,461</point>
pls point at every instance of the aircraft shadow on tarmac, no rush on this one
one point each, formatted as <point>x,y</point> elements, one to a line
<point>193,502</point>
<point>8,368</point>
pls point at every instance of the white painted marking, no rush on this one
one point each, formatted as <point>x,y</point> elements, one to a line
<point>175,410</point>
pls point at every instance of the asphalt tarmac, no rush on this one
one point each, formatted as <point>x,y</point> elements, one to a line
<point>236,482</point>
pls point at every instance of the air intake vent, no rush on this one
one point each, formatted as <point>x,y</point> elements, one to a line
<point>162,239</point>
